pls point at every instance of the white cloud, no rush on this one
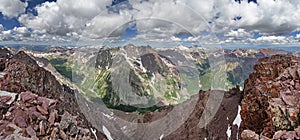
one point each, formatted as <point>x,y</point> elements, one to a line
<point>160,20</point>
<point>64,17</point>
<point>270,17</point>
<point>272,39</point>
<point>21,32</point>
<point>238,36</point>
<point>168,17</point>
<point>49,19</point>
<point>1,27</point>
<point>112,25</point>
<point>12,8</point>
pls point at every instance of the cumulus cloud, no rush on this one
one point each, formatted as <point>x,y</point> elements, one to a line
<point>168,17</point>
<point>240,36</point>
<point>272,39</point>
<point>162,20</point>
<point>270,17</point>
<point>12,8</point>
<point>71,18</point>
<point>112,25</point>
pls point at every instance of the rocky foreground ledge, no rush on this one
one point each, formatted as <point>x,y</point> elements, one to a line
<point>34,105</point>
<point>271,99</point>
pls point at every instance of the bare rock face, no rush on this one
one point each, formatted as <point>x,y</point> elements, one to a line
<point>218,127</point>
<point>271,96</point>
<point>34,105</point>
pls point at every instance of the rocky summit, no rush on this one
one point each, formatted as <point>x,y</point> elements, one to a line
<point>271,99</point>
<point>34,105</point>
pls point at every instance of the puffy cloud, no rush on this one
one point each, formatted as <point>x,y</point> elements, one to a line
<point>112,25</point>
<point>271,17</point>
<point>240,36</point>
<point>267,17</point>
<point>176,39</point>
<point>272,39</point>
<point>64,17</point>
<point>12,8</point>
<point>49,20</point>
<point>162,20</point>
<point>21,32</point>
<point>16,34</point>
<point>168,17</point>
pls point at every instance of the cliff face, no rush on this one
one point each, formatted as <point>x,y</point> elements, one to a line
<point>34,104</point>
<point>224,124</point>
<point>271,97</point>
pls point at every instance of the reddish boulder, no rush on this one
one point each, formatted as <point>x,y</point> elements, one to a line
<point>271,96</point>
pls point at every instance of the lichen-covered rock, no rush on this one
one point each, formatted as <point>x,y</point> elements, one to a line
<point>272,95</point>
<point>249,135</point>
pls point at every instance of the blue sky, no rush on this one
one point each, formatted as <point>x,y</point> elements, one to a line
<point>191,22</point>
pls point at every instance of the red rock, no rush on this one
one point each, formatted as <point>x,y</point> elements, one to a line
<point>291,135</point>
<point>3,124</point>
<point>262,137</point>
<point>45,138</point>
<point>25,96</point>
<point>14,127</point>
<point>53,133</point>
<point>5,99</point>
<point>278,134</point>
<point>29,115</point>
<point>42,110</point>
<point>84,131</point>
<point>42,128</point>
<point>52,117</point>
<point>273,102</point>
<point>293,72</point>
<point>20,118</point>
<point>249,135</point>
<point>30,131</point>
<point>62,135</point>
<point>297,130</point>
<point>39,115</point>
<point>52,102</point>
<point>45,102</point>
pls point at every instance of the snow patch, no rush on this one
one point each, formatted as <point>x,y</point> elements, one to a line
<point>107,133</point>
<point>161,136</point>
<point>94,133</point>
<point>228,132</point>
<point>108,116</point>
<point>237,121</point>
<point>153,78</point>
<point>124,127</point>
<point>139,61</point>
<point>181,47</point>
<point>12,95</point>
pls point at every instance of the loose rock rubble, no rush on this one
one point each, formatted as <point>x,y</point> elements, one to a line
<point>271,100</point>
<point>34,105</point>
<point>37,117</point>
